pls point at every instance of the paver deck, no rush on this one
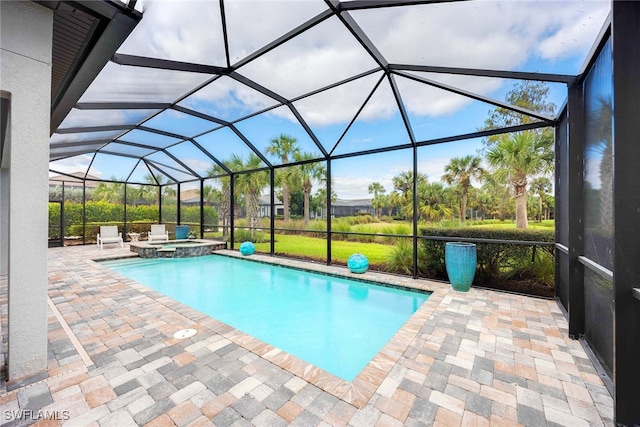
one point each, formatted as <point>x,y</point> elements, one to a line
<point>475,358</point>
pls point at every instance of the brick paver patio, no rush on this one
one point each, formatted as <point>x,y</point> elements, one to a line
<point>463,359</point>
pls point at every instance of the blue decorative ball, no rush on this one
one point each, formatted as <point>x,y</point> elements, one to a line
<point>358,263</point>
<point>247,248</point>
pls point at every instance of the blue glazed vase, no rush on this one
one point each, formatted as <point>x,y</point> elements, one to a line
<point>182,231</point>
<point>247,248</point>
<point>460,260</point>
<point>358,263</point>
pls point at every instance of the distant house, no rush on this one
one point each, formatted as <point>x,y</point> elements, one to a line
<point>351,207</point>
<point>73,180</point>
<point>190,197</point>
<point>265,206</point>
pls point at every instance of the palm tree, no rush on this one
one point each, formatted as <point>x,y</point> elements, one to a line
<point>402,195</point>
<point>308,173</point>
<point>284,146</point>
<point>432,200</point>
<point>377,190</point>
<point>112,192</point>
<point>515,158</point>
<point>210,194</point>
<point>149,192</point>
<point>495,197</point>
<point>540,186</point>
<point>250,185</point>
<point>461,170</point>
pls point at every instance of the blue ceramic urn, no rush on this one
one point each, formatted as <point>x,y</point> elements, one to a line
<point>358,263</point>
<point>247,248</point>
<point>460,260</point>
<point>182,231</point>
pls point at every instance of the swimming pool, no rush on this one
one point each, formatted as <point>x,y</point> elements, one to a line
<point>331,322</point>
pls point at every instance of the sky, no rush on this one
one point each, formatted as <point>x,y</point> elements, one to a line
<point>543,36</point>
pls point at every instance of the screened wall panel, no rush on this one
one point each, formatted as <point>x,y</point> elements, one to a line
<point>599,306</point>
<point>227,99</point>
<point>106,117</point>
<point>598,206</point>
<point>443,184</point>
<point>169,207</point>
<point>328,113</point>
<point>562,181</point>
<point>251,218</point>
<point>562,278</point>
<point>142,210</point>
<point>172,45</point>
<point>217,208</point>
<point>598,162</point>
<point>417,34</point>
<point>286,123</point>
<point>190,207</point>
<point>562,210</point>
<point>104,206</point>
<point>327,49</point>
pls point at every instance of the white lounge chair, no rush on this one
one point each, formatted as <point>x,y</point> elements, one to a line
<point>109,234</point>
<point>158,233</point>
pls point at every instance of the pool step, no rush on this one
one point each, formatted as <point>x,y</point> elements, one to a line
<point>165,252</point>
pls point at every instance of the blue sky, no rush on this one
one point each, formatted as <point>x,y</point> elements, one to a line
<point>545,36</point>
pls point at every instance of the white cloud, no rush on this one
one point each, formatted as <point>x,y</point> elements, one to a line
<point>189,31</point>
<point>434,168</point>
<point>318,57</point>
<point>253,24</point>
<point>575,32</point>
<point>510,35</point>
<point>122,83</point>
<point>198,165</point>
<point>74,164</point>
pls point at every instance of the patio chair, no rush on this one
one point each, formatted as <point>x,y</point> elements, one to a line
<point>109,234</point>
<point>158,233</point>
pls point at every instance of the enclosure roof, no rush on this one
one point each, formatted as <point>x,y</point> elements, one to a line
<point>198,82</point>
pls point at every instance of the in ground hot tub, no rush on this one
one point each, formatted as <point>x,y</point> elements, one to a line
<point>176,248</point>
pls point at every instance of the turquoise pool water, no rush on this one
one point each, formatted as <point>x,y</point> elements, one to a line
<point>334,323</point>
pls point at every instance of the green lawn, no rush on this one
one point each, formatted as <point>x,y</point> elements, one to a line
<point>378,253</point>
<point>533,225</point>
<point>316,248</point>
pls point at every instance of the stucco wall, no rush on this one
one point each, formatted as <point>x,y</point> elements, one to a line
<point>25,49</point>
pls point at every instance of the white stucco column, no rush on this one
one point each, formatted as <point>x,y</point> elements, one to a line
<point>25,49</point>
<point>4,220</point>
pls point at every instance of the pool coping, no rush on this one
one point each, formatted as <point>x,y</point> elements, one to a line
<point>357,392</point>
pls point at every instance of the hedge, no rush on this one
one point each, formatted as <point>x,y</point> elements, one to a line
<point>498,263</point>
<point>139,217</point>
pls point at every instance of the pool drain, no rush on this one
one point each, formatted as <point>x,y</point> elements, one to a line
<point>185,333</point>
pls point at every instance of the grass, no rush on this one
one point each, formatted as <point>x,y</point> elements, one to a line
<point>533,225</point>
<point>316,248</point>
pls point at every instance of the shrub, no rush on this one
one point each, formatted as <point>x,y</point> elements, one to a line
<point>497,262</point>
<point>244,235</point>
<point>400,260</point>
<point>318,226</point>
<point>363,218</point>
<point>106,213</point>
<point>341,225</point>
<point>363,228</point>
<point>292,224</point>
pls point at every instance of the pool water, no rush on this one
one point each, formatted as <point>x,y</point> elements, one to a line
<point>331,322</point>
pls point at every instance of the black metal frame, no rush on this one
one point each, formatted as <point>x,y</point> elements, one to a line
<point>626,268</point>
<point>626,271</point>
